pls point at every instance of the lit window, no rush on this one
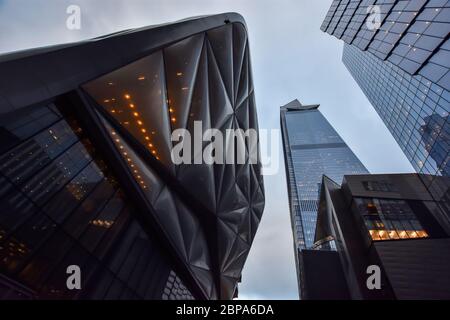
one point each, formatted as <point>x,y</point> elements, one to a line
<point>388,219</point>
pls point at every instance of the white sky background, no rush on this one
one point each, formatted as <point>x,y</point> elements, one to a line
<point>291,59</point>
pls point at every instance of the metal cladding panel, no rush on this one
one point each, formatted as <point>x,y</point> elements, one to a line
<point>416,269</point>
<point>196,70</point>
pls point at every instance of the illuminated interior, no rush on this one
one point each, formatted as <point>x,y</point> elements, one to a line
<point>388,219</point>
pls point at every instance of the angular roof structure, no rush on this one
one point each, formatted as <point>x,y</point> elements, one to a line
<point>134,88</point>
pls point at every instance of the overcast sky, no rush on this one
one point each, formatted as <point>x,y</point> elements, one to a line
<point>291,59</point>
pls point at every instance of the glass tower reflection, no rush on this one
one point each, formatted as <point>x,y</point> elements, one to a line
<point>414,109</point>
<point>436,137</point>
<point>403,67</point>
<point>312,149</point>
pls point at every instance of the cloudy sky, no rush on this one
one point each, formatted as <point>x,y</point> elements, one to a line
<point>291,59</point>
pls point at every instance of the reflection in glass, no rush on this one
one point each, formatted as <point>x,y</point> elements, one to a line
<point>59,206</point>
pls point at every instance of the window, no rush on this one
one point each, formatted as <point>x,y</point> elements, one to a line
<point>388,219</point>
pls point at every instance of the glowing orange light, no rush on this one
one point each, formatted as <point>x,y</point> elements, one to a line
<point>127,96</point>
<point>113,110</point>
<point>106,100</point>
<point>143,130</point>
<point>131,106</point>
<point>179,74</point>
<point>135,114</point>
<point>174,119</point>
<point>139,122</point>
<point>150,145</point>
<point>170,110</point>
<point>141,78</point>
<point>147,138</point>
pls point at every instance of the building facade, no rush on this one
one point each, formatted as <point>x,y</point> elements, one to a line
<point>402,68</point>
<point>411,34</point>
<point>312,148</point>
<point>86,173</point>
<point>393,223</point>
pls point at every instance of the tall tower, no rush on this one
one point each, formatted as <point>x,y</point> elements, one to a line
<point>312,148</point>
<point>402,65</point>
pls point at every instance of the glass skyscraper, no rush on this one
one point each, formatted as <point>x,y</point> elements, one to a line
<point>411,34</point>
<point>414,109</point>
<point>403,69</point>
<point>312,148</point>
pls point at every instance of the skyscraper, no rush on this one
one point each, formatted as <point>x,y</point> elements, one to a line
<point>86,176</point>
<point>312,148</point>
<point>402,66</point>
<point>410,34</point>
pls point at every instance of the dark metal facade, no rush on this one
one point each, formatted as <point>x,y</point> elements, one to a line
<point>393,222</point>
<point>101,112</point>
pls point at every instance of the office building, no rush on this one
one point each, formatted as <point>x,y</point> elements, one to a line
<point>391,222</point>
<point>410,34</point>
<point>86,173</point>
<point>402,68</point>
<point>312,148</point>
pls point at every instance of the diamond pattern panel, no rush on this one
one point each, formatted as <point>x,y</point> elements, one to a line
<point>179,223</point>
<point>206,77</point>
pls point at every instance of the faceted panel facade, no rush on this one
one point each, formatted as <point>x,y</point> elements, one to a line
<point>200,219</point>
<point>413,34</point>
<point>312,148</point>
<point>204,78</point>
